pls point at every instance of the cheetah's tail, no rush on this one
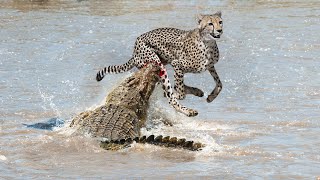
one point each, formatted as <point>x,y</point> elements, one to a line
<point>173,142</point>
<point>115,69</point>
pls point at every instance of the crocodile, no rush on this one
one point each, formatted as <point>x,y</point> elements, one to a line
<point>119,120</point>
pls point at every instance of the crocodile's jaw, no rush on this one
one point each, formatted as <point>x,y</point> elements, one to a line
<point>149,79</point>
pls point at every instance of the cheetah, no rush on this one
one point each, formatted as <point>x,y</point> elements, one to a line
<point>192,51</point>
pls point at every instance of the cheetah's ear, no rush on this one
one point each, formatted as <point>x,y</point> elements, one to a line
<point>218,13</point>
<point>199,18</point>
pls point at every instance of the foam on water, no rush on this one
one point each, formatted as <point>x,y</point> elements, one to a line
<point>3,158</point>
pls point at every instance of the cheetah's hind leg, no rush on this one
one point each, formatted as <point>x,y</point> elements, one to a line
<point>169,93</point>
<point>193,90</point>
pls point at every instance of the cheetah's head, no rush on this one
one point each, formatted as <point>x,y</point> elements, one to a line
<point>211,24</point>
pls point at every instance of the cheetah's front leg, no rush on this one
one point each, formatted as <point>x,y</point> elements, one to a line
<point>218,87</point>
<point>179,86</point>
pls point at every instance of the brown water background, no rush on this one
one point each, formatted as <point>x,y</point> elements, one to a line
<point>264,124</point>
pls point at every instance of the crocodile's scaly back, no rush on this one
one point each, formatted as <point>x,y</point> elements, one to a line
<point>108,121</point>
<point>124,112</point>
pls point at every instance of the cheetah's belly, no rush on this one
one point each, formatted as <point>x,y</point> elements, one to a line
<point>195,65</point>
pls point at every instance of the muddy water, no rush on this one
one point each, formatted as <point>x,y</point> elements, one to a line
<point>264,124</point>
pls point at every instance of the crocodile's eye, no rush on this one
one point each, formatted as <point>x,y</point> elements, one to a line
<point>210,24</point>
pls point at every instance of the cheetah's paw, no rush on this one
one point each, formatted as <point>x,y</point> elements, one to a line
<point>192,113</point>
<point>211,98</point>
<point>198,92</point>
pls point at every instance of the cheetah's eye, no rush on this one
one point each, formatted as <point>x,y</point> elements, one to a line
<point>210,24</point>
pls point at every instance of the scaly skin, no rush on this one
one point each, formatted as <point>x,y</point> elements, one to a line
<point>124,113</point>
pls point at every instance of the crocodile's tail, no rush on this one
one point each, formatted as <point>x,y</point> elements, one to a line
<point>173,142</point>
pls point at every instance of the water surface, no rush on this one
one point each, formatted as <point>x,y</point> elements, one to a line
<point>263,125</point>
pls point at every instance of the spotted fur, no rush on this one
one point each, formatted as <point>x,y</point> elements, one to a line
<point>191,51</point>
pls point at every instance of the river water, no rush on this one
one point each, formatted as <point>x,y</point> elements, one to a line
<point>263,125</point>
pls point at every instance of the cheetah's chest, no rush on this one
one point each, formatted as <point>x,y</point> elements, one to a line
<point>208,54</point>
<point>212,52</point>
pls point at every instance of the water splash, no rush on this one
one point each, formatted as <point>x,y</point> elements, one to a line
<point>47,100</point>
